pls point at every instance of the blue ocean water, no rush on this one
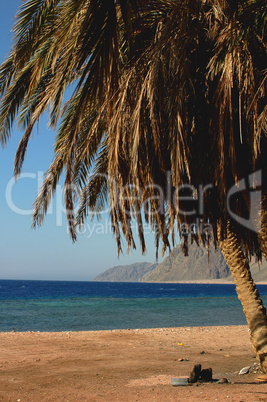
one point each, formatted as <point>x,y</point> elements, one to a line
<point>79,306</point>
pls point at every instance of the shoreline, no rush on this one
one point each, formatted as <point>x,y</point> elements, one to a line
<point>119,330</point>
<point>132,365</point>
<point>221,281</point>
<point>208,282</point>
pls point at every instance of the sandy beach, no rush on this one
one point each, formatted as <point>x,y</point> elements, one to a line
<point>127,365</point>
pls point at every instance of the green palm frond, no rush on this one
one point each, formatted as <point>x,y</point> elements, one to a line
<point>34,22</point>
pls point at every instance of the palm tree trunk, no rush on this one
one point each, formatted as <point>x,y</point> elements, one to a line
<point>247,293</point>
<point>262,235</point>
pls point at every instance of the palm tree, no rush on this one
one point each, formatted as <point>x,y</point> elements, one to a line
<point>168,101</point>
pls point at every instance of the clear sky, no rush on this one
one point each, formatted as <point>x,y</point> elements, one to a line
<point>47,252</point>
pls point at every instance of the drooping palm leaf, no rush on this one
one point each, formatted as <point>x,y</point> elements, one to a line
<point>162,94</point>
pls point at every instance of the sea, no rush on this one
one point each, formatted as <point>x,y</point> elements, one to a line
<point>86,306</point>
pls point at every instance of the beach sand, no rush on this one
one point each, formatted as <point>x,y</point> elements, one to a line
<point>127,365</point>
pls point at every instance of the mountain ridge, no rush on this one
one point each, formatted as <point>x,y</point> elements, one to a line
<point>125,273</point>
<point>200,265</point>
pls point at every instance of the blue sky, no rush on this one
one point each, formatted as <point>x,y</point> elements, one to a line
<point>47,252</point>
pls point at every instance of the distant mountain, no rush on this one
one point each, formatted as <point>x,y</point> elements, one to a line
<point>126,273</point>
<point>197,266</point>
<point>178,268</point>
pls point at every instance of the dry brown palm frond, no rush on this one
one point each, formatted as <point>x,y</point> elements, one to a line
<point>47,190</point>
<point>161,95</point>
<point>262,121</point>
